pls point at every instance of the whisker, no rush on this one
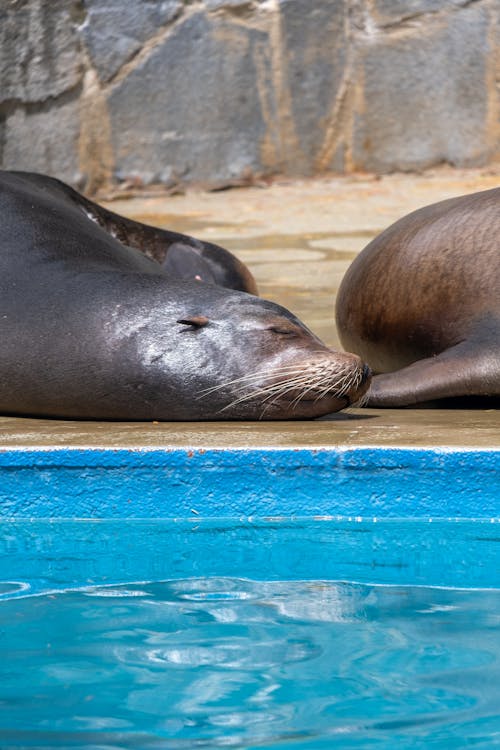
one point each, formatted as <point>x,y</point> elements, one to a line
<point>273,392</point>
<point>361,402</point>
<point>293,386</point>
<point>306,381</point>
<point>284,370</point>
<point>339,386</point>
<point>303,377</point>
<point>321,378</point>
<point>275,389</point>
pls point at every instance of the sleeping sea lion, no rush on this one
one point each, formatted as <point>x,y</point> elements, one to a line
<point>421,304</point>
<point>93,328</point>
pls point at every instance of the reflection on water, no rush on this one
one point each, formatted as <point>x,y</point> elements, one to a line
<point>229,662</point>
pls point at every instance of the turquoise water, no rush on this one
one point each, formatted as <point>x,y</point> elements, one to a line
<point>235,663</point>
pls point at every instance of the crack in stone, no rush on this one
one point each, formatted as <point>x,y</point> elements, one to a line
<point>406,20</point>
<point>148,47</point>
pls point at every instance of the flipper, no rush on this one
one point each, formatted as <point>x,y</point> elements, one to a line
<point>465,369</point>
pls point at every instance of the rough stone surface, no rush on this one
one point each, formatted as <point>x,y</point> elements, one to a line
<point>228,4</point>
<point>395,11</point>
<point>425,95</point>
<point>216,91</point>
<point>39,49</point>
<point>44,139</point>
<point>191,109</point>
<point>115,30</point>
<point>314,49</point>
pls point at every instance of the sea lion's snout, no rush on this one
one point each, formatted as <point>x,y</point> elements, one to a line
<point>323,382</point>
<point>366,374</point>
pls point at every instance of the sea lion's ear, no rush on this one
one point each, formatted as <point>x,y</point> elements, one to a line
<point>196,321</point>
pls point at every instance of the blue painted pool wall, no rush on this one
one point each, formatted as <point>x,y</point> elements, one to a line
<point>184,483</point>
<point>47,555</point>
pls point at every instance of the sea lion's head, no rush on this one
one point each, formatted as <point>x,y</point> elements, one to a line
<point>231,355</point>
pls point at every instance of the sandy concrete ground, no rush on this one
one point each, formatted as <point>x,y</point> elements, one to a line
<point>298,237</point>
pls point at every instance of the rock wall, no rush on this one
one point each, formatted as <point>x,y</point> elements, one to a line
<point>215,91</point>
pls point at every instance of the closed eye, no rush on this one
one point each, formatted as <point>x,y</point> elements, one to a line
<point>194,322</point>
<point>283,331</point>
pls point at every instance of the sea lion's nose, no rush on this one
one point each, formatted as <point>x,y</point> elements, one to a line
<point>366,373</point>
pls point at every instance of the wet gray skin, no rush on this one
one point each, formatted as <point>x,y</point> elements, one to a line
<point>92,328</point>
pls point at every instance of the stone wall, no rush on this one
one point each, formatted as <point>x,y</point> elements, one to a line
<point>216,91</point>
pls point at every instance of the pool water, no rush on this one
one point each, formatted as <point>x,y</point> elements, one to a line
<point>232,662</point>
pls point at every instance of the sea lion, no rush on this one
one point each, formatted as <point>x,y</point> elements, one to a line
<point>421,304</point>
<point>181,256</point>
<point>92,328</point>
